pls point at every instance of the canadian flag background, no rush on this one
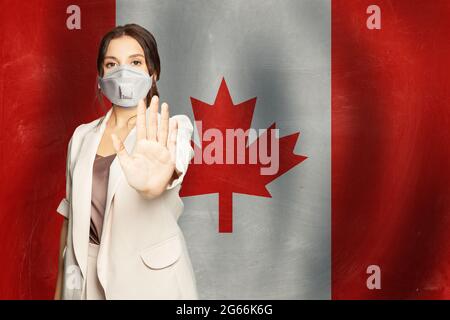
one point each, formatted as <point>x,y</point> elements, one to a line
<point>364,122</point>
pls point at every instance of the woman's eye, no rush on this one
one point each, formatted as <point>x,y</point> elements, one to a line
<point>110,64</point>
<point>138,63</point>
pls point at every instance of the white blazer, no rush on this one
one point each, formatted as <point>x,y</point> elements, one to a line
<point>143,254</point>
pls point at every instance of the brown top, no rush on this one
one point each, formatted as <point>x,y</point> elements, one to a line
<point>100,177</point>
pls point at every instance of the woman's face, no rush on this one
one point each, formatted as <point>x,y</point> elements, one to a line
<point>124,50</point>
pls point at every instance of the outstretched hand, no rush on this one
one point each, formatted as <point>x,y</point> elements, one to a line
<point>150,167</point>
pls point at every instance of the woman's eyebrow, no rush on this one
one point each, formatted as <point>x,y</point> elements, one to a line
<point>110,57</point>
<point>132,56</point>
<point>136,55</point>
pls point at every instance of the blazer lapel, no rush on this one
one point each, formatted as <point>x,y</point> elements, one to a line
<point>115,177</point>
<point>115,171</point>
<point>82,192</point>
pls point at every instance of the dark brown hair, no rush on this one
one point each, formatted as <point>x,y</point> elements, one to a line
<point>148,44</point>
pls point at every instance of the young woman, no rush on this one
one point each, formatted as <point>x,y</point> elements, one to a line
<point>120,238</point>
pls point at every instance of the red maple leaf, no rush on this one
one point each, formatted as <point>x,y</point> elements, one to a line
<point>227,178</point>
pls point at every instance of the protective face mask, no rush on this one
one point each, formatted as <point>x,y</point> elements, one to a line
<point>125,86</point>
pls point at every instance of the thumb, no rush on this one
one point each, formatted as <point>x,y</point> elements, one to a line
<point>119,147</point>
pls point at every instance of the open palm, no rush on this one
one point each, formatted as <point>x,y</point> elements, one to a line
<point>150,166</point>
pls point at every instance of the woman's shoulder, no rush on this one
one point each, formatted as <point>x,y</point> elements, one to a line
<point>83,128</point>
<point>79,135</point>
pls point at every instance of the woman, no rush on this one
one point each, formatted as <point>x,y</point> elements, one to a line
<point>120,238</point>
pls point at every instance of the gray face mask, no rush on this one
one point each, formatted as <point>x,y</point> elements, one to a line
<point>125,86</point>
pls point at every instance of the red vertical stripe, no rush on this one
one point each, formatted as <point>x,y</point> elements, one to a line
<point>390,149</point>
<point>47,88</point>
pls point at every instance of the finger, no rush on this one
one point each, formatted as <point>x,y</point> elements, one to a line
<point>140,121</point>
<point>163,128</point>
<point>172,143</point>
<point>119,147</point>
<point>152,127</point>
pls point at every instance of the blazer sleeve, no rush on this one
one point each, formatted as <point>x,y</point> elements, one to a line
<point>184,151</point>
<point>64,205</point>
